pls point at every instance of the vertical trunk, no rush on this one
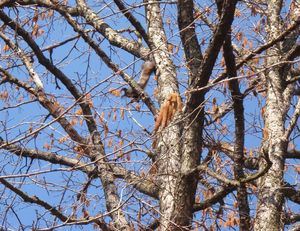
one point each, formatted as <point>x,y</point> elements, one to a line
<point>177,192</point>
<point>270,199</point>
<point>242,196</point>
<point>238,108</point>
<point>179,157</point>
<point>107,178</point>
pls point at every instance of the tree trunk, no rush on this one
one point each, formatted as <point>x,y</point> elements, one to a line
<point>270,199</point>
<point>177,145</point>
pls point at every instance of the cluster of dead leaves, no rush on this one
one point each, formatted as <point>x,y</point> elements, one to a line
<point>168,110</point>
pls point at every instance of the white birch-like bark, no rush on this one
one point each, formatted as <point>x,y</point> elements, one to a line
<point>269,214</point>
<point>26,61</point>
<point>175,195</point>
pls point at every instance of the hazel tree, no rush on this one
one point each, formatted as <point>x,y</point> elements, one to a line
<point>149,115</point>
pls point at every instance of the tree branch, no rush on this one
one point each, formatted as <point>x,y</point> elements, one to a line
<point>239,119</point>
<point>55,212</point>
<point>95,21</point>
<point>292,154</point>
<point>50,157</point>
<point>232,182</point>
<point>296,227</point>
<point>36,200</point>
<point>26,61</point>
<point>217,197</point>
<point>261,49</point>
<point>133,20</point>
<point>222,178</point>
<point>132,83</point>
<point>211,53</point>
<point>291,219</point>
<point>91,124</point>
<point>186,24</point>
<point>293,121</point>
<point>293,53</point>
<point>53,107</point>
<point>291,193</point>
<point>142,184</point>
<point>111,35</point>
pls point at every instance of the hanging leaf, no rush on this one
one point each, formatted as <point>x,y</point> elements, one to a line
<point>47,146</point>
<point>35,17</point>
<point>138,107</point>
<point>35,30</point>
<point>110,143</point>
<point>105,128</point>
<point>6,48</point>
<point>121,143</point>
<point>73,121</point>
<point>78,112</point>
<point>4,95</point>
<point>115,92</point>
<point>239,36</point>
<point>115,117</point>
<point>63,139</point>
<point>50,13</point>
<point>237,13</point>
<point>122,112</point>
<point>101,118</point>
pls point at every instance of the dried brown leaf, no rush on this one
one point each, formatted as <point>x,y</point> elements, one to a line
<point>115,92</point>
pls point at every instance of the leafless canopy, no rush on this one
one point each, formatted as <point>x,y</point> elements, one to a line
<point>208,142</point>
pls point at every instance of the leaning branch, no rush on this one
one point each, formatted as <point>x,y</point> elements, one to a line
<point>36,200</point>
<point>217,197</point>
<point>292,154</point>
<point>53,107</point>
<point>91,124</point>
<point>293,121</point>
<point>144,96</point>
<point>53,158</point>
<point>232,182</point>
<point>111,35</point>
<point>291,193</point>
<point>125,11</point>
<point>55,212</point>
<point>211,54</point>
<point>261,49</point>
<point>142,184</point>
<point>26,61</point>
<point>188,35</point>
<point>291,219</point>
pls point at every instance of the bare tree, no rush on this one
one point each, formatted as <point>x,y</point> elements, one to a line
<point>149,115</point>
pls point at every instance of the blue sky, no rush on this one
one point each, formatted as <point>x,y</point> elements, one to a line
<point>86,70</point>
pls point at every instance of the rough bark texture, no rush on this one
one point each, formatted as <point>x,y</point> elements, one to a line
<point>238,108</point>
<point>270,198</point>
<point>175,197</point>
<point>238,155</point>
<point>105,174</point>
<point>179,148</point>
<point>168,175</point>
